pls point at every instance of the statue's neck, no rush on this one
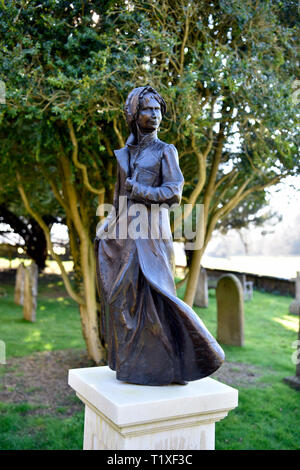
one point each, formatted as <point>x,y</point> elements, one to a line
<point>144,137</point>
<point>140,139</point>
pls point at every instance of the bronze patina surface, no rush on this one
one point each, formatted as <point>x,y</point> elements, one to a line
<point>153,337</point>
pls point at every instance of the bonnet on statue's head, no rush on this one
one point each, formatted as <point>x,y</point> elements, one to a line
<point>133,101</point>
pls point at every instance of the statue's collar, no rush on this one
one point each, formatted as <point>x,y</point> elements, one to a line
<point>144,140</point>
<point>123,154</point>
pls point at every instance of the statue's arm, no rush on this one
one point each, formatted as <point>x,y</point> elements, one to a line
<point>114,210</point>
<point>170,191</point>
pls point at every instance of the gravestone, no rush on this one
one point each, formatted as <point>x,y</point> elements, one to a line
<point>230,306</point>
<point>34,272</point>
<point>295,305</point>
<point>248,288</point>
<point>294,381</point>
<point>19,286</point>
<point>2,352</point>
<point>201,297</point>
<point>30,292</point>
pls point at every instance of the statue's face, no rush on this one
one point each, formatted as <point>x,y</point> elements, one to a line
<point>149,117</point>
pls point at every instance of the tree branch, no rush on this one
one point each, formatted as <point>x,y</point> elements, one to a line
<point>46,230</point>
<point>55,190</point>
<point>224,178</point>
<point>118,133</point>
<point>233,202</point>
<point>223,192</point>
<point>72,196</point>
<point>184,40</point>
<point>79,165</point>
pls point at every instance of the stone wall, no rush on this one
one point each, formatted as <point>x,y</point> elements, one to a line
<point>264,283</point>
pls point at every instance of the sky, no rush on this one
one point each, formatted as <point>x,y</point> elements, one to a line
<point>277,240</point>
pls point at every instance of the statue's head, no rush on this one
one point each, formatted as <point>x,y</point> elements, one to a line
<point>144,108</point>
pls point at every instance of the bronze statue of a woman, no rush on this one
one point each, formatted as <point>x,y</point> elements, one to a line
<point>152,337</point>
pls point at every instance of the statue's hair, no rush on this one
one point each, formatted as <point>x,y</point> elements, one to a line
<point>133,103</point>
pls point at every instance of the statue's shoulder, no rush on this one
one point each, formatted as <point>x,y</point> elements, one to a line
<point>165,147</point>
<point>169,150</point>
<point>161,143</point>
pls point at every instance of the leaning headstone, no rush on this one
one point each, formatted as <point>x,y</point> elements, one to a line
<point>2,352</point>
<point>230,306</point>
<point>34,272</point>
<point>201,297</point>
<point>19,286</point>
<point>294,381</point>
<point>295,305</point>
<point>30,293</point>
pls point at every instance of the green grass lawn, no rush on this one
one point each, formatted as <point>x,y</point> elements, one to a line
<point>21,429</point>
<point>57,325</point>
<point>268,415</point>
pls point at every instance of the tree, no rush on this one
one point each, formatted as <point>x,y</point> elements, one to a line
<point>227,68</point>
<point>14,215</point>
<point>224,67</point>
<point>247,215</point>
<point>29,230</point>
<point>53,62</point>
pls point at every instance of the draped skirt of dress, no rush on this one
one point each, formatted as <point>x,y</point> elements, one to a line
<point>152,337</point>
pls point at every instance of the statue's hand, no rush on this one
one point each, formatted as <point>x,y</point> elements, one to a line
<point>129,184</point>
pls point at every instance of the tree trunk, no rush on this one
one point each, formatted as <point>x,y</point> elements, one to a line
<point>89,325</point>
<point>191,286</point>
<point>88,310</point>
<point>31,232</point>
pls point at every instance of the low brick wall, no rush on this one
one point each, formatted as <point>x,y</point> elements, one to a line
<point>264,283</point>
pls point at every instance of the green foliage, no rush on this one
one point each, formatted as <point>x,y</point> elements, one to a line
<point>252,212</point>
<point>235,67</point>
<point>225,68</point>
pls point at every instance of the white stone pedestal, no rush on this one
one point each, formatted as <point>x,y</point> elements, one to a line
<point>122,416</point>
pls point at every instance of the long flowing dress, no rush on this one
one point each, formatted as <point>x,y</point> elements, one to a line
<point>152,337</point>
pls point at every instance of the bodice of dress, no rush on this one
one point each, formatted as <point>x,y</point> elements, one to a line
<point>153,167</point>
<point>136,150</point>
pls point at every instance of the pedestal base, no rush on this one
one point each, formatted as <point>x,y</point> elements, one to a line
<point>122,416</point>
